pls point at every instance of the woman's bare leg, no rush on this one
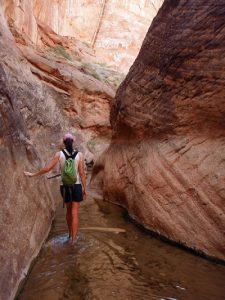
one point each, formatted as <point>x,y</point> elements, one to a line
<point>69,217</point>
<point>74,221</point>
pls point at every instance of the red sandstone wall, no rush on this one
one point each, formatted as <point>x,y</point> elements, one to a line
<point>166,163</point>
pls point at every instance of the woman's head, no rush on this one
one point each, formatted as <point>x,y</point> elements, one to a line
<point>68,142</point>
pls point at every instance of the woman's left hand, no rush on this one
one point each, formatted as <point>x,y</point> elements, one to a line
<point>84,193</point>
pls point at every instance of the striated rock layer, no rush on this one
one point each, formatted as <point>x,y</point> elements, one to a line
<point>166,162</point>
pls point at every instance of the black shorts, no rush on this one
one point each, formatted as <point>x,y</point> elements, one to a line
<point>72,193</point>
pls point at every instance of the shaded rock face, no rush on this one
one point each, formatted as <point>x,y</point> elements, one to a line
<point>26,207</point>
<point>115,29</point>
<point>166,162</point>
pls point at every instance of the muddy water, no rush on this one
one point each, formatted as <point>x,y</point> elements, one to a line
<point>107,264</point>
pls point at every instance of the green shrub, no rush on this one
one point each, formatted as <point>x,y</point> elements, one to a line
<point>90,70</point>
<point>59,50</point>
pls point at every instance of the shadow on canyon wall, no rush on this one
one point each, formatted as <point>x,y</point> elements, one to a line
<point>165,164</point>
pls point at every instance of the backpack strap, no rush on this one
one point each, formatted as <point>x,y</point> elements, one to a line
<point>74,154</point>
<point>67,156</point>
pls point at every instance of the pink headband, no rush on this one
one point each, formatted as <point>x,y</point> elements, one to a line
<point>68,136</point>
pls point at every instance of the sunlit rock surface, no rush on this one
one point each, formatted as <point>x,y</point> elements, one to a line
<point>114,29</point>
<point>166,163</point>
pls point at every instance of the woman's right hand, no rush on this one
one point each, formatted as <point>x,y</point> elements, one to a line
<point>28,174</point>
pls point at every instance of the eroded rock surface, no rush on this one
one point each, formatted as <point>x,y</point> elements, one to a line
<point>44,92</point>
<point>27,208</point>
<point>166,163</point>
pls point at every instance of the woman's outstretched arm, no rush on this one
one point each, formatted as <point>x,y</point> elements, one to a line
<point>47,168</point>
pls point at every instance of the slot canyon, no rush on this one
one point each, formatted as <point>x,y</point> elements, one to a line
<point>140,85</point>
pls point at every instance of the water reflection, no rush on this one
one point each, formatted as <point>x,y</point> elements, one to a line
<point>112,264</point>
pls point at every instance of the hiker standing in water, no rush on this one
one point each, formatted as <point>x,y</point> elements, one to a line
<point>73,186</point>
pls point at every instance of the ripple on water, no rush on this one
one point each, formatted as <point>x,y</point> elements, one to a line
<point>57,241</point>
<point>130,265</point>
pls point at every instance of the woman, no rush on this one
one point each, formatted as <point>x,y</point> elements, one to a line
<point>74,194</point>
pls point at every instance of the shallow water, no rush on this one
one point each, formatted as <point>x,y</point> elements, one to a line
<point>105,264</point>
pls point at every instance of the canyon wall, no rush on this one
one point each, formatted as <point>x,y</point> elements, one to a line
<point>51,83</point>
<point>27,207</point>
<point>114,29</point>
<point>166,162</point>
<point>122,28</point>
<point>44,92</point>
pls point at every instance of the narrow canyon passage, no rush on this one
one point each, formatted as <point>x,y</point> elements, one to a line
<point>140,86</point>
<point>106,264</point>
